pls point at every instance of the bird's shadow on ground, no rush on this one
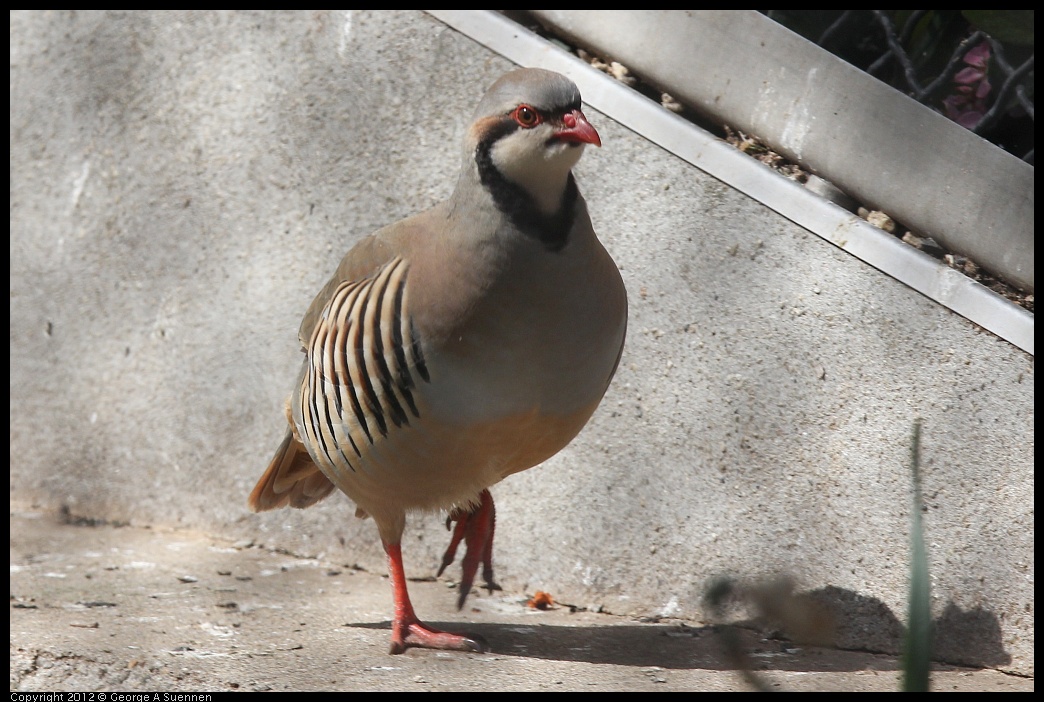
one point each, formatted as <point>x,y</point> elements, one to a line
<point>662,645</point>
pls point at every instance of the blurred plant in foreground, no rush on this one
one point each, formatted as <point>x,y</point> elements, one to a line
<point>806,621</point>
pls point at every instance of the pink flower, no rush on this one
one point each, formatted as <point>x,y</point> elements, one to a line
<point>966,105</point>
<point>978,56</point>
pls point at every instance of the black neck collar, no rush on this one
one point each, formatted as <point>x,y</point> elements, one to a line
<point>552,230</point>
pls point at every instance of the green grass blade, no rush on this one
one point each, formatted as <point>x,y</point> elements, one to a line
<point>917,643</point>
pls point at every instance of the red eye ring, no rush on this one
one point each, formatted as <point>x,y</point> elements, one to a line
<point>527,116</point>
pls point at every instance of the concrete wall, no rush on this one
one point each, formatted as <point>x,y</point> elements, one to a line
<point>182,184</point>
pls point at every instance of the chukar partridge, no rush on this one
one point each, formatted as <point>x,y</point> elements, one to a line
<point>460,345</point>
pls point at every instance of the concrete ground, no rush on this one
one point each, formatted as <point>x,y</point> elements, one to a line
<point>105,608</point>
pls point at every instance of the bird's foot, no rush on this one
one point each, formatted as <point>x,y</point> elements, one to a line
<point>475,528</point>
<point>415,634</point>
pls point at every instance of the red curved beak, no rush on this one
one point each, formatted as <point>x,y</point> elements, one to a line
<point>577,130</point>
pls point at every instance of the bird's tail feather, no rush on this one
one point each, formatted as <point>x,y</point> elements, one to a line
<point>292,479</point>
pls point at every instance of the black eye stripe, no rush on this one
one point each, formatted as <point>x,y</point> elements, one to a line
<point>527,116</point>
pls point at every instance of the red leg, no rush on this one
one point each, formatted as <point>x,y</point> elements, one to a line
<point>475,528</point>
<point>407,630</point>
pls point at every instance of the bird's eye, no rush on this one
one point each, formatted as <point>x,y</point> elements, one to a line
<point>527,116</point>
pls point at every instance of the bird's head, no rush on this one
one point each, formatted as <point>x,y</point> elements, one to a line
<point>530,128</point>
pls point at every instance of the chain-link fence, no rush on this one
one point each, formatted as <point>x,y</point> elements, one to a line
<point>974,66</point>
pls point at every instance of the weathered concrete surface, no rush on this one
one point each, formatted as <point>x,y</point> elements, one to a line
<point>181,184</point>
